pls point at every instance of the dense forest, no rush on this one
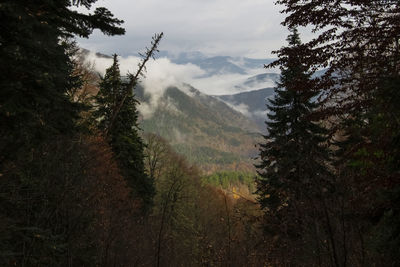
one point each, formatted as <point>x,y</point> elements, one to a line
<point>82,185</point>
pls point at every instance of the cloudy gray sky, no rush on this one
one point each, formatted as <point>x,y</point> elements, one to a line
<point>215,27</point>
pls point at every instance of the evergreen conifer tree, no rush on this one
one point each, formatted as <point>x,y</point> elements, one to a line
<point>123,135</point>
<point>358,43</point>
<point>41,153</point>
<point>292,172</point>
<point>35,69</point>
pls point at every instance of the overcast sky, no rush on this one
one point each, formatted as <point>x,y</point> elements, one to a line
<point>215,27</point>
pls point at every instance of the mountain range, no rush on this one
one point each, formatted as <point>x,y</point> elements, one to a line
<point>217,132</point>
<point>217,64</point>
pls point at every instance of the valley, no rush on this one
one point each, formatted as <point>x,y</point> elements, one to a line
<point>215,132</point>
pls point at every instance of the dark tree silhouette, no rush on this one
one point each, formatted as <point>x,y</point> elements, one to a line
<point>293,171</point>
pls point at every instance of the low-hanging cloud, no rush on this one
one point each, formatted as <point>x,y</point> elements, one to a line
<point>162,74</point>
<point>228,84</point>
<point>242,108</point>
<point>261,113</point>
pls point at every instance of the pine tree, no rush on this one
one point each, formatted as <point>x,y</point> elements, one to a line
<point>124,135</point>
<point>293,170</point>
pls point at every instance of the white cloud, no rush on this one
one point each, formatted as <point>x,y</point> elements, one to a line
<point>261,113</point>
<point>242,108</point>
<point>226,84</point>
<point>218,84</point>
<point>160,75</point>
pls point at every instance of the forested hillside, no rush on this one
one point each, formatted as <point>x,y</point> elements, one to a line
<point>89,179</point>
<point>205,130</point>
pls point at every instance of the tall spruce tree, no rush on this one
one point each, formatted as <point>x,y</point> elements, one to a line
<point>293,171</point>
<point>358,41</point>
<point>123,134</point>
<point>43,221</point>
